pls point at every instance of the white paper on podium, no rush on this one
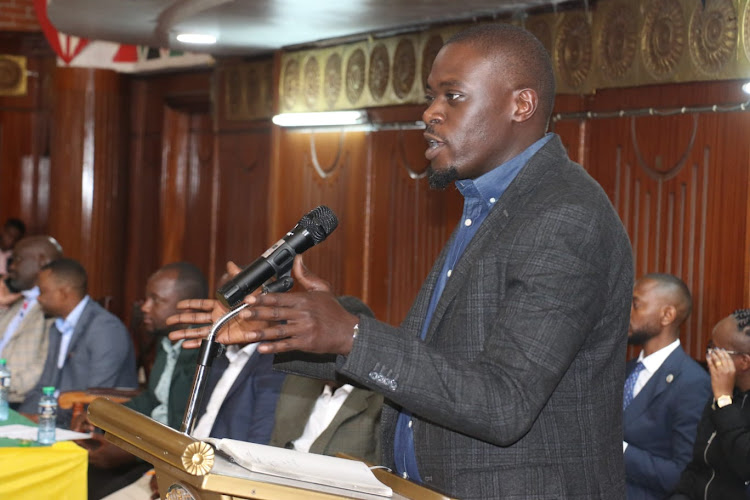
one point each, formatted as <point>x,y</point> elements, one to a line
<point>307,467</point>
<point>19,431</point>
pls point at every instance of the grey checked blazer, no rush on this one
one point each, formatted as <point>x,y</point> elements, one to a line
<point>516,391</point>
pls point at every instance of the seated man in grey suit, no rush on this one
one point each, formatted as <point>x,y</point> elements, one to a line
<point>665,390</point>
<point>88,346</point>
<point>328,417</point>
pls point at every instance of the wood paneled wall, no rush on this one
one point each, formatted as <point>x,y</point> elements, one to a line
<point>24,134</point>
<point>87,201</point>
<point>202,188</point>
<point>680,185</point>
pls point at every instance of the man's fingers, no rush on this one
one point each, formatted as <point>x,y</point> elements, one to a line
<point>233,269</point>
<point>189,318</point>
<point>308,280</point>
<point>206,305</point>
<point>189,333</point>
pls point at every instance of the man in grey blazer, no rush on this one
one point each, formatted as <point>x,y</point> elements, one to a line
<point>88,346</point>
<point>505,379</point>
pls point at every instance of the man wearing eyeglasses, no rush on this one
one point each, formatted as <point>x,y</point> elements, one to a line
<point>665,390</point>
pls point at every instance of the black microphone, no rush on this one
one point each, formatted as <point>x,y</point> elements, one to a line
<point>277,260</point>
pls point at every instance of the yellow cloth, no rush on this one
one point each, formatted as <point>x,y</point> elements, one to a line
<point>55,472</point>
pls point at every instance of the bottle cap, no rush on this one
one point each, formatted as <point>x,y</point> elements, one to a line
<point>48,391</point>
<point>3,362</point>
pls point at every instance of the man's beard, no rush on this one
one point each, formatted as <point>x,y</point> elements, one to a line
<point>440,179</point>
<point>640,337</point>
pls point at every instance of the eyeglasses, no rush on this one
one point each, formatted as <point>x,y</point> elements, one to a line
<point>711,347</point>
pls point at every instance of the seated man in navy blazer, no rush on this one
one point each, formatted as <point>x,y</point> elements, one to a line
<point>88,345</point>
<point>665,390</point>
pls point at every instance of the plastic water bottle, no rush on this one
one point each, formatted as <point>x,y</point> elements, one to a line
<point>4,389</point>
<point>47,416</point>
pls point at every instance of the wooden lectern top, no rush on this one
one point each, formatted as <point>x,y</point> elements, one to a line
<point>187,468</point>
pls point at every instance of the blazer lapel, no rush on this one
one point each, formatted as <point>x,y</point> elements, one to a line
<point>355,404</point>
<point>658,383</point>
<point>511,202</point>
<point>246,372</point>
<point>81,326</point>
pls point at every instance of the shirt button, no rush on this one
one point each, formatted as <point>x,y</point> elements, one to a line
<point>467,222</point>
<point>450,271</point>
<point>492,200</point>
<point>410,423</point>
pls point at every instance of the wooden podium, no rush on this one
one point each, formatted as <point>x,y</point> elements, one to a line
<point>188,469</point>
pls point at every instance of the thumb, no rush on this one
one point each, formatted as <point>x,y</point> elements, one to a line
<point>309,281</point>
<point>233,269</point>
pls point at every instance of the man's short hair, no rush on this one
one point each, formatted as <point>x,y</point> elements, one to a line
<point>18,225</point>
<point>70,272</point>
<point>191,283</point>
<point>521,53</point>
<point>676,284</point>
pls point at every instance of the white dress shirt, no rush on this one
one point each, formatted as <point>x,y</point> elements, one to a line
<point>66,327</point>
<point>238,358</point>
<point>326,407</point>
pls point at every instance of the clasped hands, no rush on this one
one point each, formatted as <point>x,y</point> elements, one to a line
<point>310,320</point>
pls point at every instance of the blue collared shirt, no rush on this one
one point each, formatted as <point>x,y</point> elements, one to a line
<point>66,327</point>
<point>480,195</point>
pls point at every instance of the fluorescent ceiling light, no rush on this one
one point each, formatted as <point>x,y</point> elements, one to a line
<point>746,88</point>
<point>196,38</point>
<point>323,119</point>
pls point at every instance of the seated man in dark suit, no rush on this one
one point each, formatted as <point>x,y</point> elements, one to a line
<point>251,397</point>
<point>664,392</point>
<point>88,346</point>
<point>328,417</point>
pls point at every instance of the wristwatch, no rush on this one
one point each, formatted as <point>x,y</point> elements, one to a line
<point>723,401</point>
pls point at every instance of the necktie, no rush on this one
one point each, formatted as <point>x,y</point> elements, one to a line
<point>627,395</point>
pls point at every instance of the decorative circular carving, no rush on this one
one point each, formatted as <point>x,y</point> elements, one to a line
<point>355,76</point>
<point>573,53</point>
<point>312,82</point>
<point>541,29</point>
<point>332,86</point>
<point>291,83</point>
<point>618,40</point>
<point>379,71</point>
<point>404,68</point>
<point>663,37</point>
<point>713,35</point>
<point>429,52</point>
<point>746,29</point>
<point>198,458</point>
<point>10,73</point>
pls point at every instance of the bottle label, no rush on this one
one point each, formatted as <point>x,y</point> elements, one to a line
<point>47,410</point>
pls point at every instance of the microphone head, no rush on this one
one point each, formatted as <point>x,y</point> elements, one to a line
<point>319,222</point>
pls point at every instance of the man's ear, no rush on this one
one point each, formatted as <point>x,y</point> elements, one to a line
<point>668,315</point>
<point>526,103</point>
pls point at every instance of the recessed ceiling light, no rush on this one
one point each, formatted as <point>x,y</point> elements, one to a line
<point>196,38</point>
